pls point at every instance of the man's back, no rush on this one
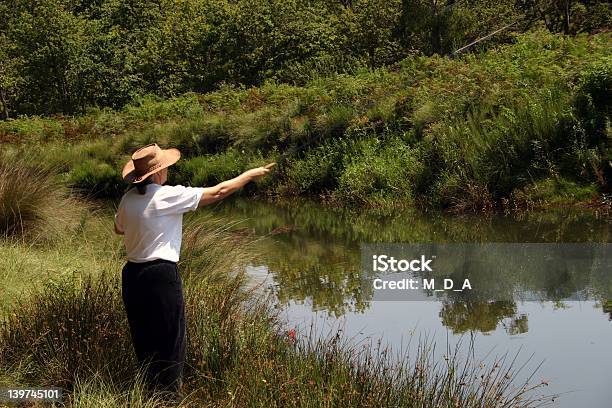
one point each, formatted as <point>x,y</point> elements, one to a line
<point>153,222</point>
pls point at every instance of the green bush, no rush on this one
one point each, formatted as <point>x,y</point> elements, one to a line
<point>33,129</point>
<point>96,178</point>
<point>377,169</point>
<point>488,155</point>
<point>151,107</point>
<point>314,171</point>
<point>209,170</point>
<point>594,110</point>
<point>552,191</point>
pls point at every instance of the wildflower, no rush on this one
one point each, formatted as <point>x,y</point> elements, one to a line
<point>291,334</point>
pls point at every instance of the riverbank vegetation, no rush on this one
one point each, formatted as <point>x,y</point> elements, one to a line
<point>67,328</point>
<point>521,125</point>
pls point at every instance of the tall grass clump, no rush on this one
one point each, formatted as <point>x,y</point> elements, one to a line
<point>96,178</point>
<point>216,301</point>
<point>151,107</point>
<point>314,171</point>
<point>34,205</point>
<point>478,162</point>
<point>95,392</point>
<point>71,327</point>
<point>210,169</point>
<point>333,371</point>
<point>379,168</point>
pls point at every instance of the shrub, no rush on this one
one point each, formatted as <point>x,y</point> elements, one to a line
<point>202,135</point>
<point>488,155</point>
<point>32,129</point>
<point>593,108</point>
<point>314,171</point>
<point>551,191</point>
<point>379,168</point>
<point>97,178</point>
<point>208,170</point>
<point>151,107</point>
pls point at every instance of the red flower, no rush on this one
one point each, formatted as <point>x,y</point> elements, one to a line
<point>291,334</point>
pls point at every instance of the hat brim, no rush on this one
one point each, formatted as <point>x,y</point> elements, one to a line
<point>168,158</point>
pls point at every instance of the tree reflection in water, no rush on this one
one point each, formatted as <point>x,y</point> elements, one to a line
<point>313,254</point>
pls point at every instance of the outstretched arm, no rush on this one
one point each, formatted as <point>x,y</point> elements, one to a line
<point>226,188</point>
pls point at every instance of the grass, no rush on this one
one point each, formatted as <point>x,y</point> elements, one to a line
<point>96,393</point>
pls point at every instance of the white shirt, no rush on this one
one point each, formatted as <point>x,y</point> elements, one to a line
<point>153,222</point>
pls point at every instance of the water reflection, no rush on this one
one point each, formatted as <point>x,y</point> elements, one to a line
<point>313,255</point>
<point>481,316</point>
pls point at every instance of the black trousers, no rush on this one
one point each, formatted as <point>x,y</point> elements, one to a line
<point>153,298</point>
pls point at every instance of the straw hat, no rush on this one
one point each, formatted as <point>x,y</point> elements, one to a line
<point>148,160</point>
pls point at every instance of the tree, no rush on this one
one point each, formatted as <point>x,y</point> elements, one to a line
<point>53,56</point>
<point>10,77</point>
<point>568,16</point>
<point>373,30</point>
<point>441,26</point>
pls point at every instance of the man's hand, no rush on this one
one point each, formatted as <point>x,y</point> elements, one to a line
<point>258,172</point>
<point>225,188</point>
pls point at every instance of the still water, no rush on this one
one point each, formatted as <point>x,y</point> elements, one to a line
<point>310,259</point>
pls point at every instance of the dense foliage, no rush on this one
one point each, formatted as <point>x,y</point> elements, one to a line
<point>67,55</point>
<point>519,125</point>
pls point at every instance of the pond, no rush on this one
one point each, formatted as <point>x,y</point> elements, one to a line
<point>310,259</point>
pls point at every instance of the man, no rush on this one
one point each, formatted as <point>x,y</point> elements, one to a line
<point>150,218</point>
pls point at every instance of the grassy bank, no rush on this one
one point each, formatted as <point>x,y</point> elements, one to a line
<point>519,126</point>
<point>66,327</point>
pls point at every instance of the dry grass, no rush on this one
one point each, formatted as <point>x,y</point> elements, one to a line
<point>35,207</point>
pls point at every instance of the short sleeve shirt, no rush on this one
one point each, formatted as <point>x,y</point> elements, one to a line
<point>153,223</point>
